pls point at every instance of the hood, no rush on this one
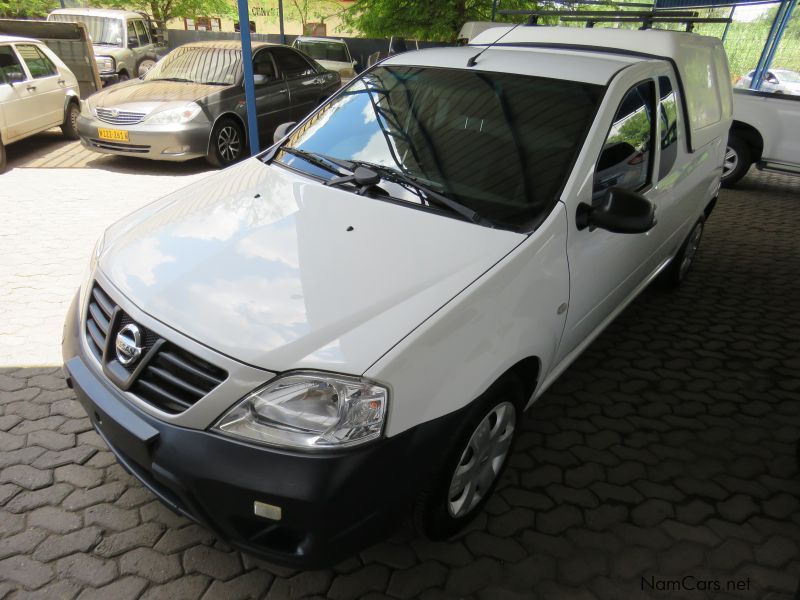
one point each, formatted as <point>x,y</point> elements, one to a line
<point>280,272</point>
<point>337,66</point>
<point>137,91</point>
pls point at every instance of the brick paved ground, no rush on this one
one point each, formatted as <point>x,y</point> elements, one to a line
<point>669,449</point>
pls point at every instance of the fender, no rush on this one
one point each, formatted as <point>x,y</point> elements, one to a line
<point>70,96</point>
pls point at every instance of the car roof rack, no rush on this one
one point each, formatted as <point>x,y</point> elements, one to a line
<point>646,18</point>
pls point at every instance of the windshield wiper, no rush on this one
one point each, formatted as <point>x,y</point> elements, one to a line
<point>178,79</point>
<point>318,160</point>
<point>419,185</point>
<point>213,83</point>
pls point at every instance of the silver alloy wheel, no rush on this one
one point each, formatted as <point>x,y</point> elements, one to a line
<point>228,143</point>
<point>730,163</point>
<point>145,66</point>
<point>482,459</point>
<point>691,249</point>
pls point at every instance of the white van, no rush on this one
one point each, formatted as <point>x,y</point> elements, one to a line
<point>303,349</point>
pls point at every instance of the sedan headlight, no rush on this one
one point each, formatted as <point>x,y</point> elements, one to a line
<point>87,110</point>
<point>105,64</point>
<point>174,116</point>
<point>311,411</point>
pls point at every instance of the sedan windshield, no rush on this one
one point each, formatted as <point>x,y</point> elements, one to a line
<point>195,64</point>
<point>335,51</point>
<point>500,144</point>
<point>104,31</point>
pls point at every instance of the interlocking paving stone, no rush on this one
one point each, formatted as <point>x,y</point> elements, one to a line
<point>669,448</point>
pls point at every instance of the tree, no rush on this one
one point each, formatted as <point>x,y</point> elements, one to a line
<point>434,20</point>
<point>14,9</point>
<point>305,10</point>
<point>162,11</point>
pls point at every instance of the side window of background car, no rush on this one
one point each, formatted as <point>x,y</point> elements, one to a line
<point>292,64</point>
<point>263,65</point>
<point>38,64</point>
<point>668,116</point>
<point>627,154</point>
<point>9,66</point>
<point>141,33</point>
<point>133,39</point>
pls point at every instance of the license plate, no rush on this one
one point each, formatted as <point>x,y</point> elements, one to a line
<point>112,134</point>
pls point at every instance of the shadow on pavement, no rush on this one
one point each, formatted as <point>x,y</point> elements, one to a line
<point>49,150</point>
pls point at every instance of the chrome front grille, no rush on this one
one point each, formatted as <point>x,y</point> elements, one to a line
<point>119,117</point>
<point>175,379</point>
<point>98,321</point>
<point>165,376</point>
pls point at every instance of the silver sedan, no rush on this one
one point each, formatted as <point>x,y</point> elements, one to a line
<point>191,104</point>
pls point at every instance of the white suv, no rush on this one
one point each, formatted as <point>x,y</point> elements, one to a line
<point>37,92</point>
<point>304,348</point>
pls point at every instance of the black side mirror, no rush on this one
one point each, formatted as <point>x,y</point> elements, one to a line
<point>282,130</point>
<point>619,211</point>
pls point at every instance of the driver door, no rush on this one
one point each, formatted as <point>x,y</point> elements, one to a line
<point>605,267</point>
<point>13,97</point>
<point>273,104</point>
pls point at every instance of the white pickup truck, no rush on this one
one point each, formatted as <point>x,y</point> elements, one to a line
<point>765,132</point>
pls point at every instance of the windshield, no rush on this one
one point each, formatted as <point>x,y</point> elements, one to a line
<point>324,50</point>
<point>104,31</point>
<point>500,144</point>
<point>198,65</point>
<point>788,76</point>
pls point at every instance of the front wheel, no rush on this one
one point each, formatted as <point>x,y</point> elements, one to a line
<point>737,160</point>
<point>227,144</point>
<point>474,463</point>
<point>70,125</point>
<point>144,65</point>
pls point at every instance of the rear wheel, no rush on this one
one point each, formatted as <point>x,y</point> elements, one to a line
<point>737,160</point>
<point>70,125</point>
<point>227,144</point>
<point>474,463</point>
<point>144,65</point>
<point>679,266</point>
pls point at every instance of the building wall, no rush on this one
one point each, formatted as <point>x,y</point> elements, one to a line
<point>265,15</point>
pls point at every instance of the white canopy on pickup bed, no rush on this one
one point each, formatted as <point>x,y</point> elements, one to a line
<point>701,63</point>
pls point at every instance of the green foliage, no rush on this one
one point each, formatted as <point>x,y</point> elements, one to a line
<point>163,10</point>
<point>433,20</point>
<point>13,9</point>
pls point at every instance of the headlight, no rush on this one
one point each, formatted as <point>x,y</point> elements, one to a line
<point>182,114</point>
<point>105,64</point>
<point>87,110</point>
<point>98,249</point>
<point>312,411</point>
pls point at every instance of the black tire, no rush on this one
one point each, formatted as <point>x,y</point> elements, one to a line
<point>433,515</point>
<point>738,158</point>
<point>123,76</point>
<point>226,144</point>
<point>678,268</point>
<point>70,125</point>
<point>2,157</point>
<point>148,61</point>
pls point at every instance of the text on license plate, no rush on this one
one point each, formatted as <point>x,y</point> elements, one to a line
<point>113,134</point>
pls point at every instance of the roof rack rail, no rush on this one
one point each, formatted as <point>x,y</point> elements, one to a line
<point>646,18</point>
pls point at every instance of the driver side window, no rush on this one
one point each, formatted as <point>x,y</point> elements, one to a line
<point>264,65</point>
<point>9,66</point>
<point>627,155</point>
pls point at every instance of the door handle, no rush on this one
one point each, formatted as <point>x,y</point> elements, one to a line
<point>31,88</point>
<point>283,91</point>
<point>62,81</point>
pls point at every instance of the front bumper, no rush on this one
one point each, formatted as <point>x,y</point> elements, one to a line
<point>109,78</point>
<point>332,504</point>
<point>156,142</point>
